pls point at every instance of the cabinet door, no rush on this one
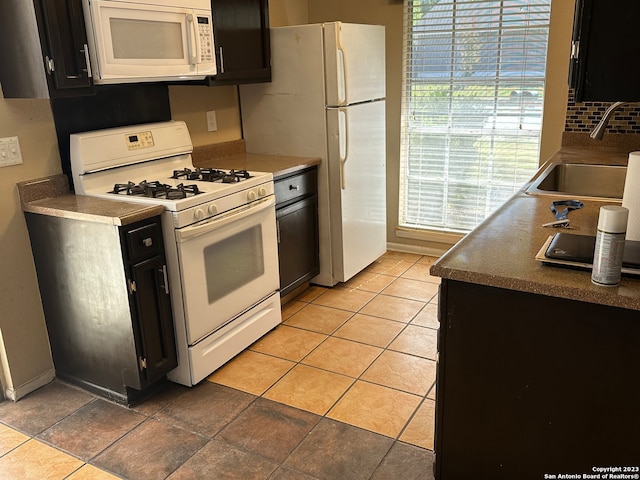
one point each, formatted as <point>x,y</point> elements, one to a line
<point>298,243</point>
<point>514,366</point>
<point>64,39</point>
<point>603,65</point>
<point>157,351</point>
<point>241,30</point>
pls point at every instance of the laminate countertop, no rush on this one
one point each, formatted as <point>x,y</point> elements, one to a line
<point>501,251</point>
<point>278,165</point>
<point>52,196</point>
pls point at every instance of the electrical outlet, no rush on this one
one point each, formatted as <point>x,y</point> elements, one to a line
<point>212,123</point>
<point>10,151</point>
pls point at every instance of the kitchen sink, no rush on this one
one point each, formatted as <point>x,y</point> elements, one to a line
<point>602,182</point>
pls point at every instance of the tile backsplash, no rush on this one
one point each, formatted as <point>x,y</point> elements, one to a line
<point>582,117</point>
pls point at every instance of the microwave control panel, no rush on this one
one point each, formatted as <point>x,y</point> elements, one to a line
<point>206,39</point>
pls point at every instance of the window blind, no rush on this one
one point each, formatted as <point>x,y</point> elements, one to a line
<point>473,79</point>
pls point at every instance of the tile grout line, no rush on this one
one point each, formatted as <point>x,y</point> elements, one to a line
<point>355,379</point>
<point>359,377</point>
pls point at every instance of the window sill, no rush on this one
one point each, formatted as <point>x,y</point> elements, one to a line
<point>433,236</point>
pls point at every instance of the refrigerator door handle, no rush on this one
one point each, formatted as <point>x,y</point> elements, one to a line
<point>344,144</point>
<point>342,71</point>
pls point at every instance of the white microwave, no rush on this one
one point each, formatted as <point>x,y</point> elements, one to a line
<point>149,40</point>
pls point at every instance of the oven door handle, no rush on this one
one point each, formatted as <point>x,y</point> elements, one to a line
<point>220,221</point>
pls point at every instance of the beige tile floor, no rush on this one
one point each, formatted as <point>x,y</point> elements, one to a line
<point>362,352</point>
<point>23,457</point>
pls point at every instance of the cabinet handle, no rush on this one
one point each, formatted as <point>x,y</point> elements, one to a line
<point>147,242</point>
<point>221,60</point>
<point>85,49</point>
<point>165,279</point>
<point>294,187</point>
<point>278,231</point>
<point>49,65</point>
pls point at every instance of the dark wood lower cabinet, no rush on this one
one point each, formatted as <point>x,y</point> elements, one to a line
<point>151,308</point>
<point>530,385</point>
<point>106,303</point>
<point>297,226</point>
<point>298,243</point>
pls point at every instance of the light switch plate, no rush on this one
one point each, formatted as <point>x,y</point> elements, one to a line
<point>212,123</point>
<point>10,151</point>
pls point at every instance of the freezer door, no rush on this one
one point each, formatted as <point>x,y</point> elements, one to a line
<point>354,62</point>
<point>357,186</point>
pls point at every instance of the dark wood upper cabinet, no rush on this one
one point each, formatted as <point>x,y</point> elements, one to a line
<point>65,40</point>
<point>241,31</point>
<point>605,50</point>
<point>43,50</point>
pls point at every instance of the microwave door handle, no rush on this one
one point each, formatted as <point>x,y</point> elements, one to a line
<point>192,41</point>
<point>225,219</point>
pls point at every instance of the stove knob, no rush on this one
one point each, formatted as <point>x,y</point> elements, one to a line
<point>212,209</point>
<point>251,196</point>
<point>262,191</point>
<point>198,214</point>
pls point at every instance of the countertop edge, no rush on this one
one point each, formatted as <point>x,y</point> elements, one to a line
<point>51,196</point>
<point>527,286</point>
<point>474,259</point>
<point>92,209</point>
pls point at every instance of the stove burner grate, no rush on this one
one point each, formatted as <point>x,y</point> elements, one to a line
<point>236,176</point>
<point>211,175</point>
<point>156,189</point>
<point>186,173</point>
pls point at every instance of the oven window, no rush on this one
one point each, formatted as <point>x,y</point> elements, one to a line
<point>144,39</point>
<point>233,262</point>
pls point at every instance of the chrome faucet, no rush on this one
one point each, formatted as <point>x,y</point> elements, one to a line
<point>598,132</point>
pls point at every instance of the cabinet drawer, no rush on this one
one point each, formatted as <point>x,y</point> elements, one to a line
<point>296,186</point>
<point>144,241</point>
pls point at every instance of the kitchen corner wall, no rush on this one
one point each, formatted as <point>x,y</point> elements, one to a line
<point>24,346</point>
<point>190,104</point>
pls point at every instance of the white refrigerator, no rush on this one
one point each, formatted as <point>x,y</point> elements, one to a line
<point>327,99</point>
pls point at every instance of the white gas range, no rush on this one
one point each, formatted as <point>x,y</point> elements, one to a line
<point>219,233</point>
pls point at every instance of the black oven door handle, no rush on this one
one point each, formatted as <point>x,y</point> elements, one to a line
<point>220,221</point>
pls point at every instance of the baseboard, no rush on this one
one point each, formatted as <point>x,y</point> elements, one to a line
<point>421,250</point>
<point>16,394</point>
